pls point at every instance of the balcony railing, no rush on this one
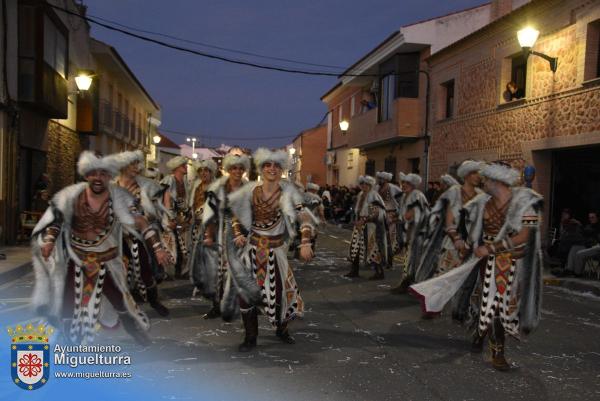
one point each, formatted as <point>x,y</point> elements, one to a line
<point>106,115</point>
<point>405,123</point>
<point>118,122</point>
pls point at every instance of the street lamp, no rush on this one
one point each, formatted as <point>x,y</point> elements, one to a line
<point>527,38</point>
<point>83,80</point>
<point>344,125</point>
<point>292,151</point>
<point>193,141</point>
<point>156,139</point>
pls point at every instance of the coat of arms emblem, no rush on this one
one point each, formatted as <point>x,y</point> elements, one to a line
<point>30,355</point>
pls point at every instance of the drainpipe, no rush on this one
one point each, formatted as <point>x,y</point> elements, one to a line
<point>427,137</point>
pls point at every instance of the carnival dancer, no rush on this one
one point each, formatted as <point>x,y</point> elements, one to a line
<point>142,270</point>
<point>446,182</point>
<point>390,194</point>
<point>77,257</point>
<point>506,266</point>
<point>313,202</point>
<point>205,174</point>
<point>210,273</point>
<point>368,243</point>
<point>177,236</point>
<point>268,210</point>
<point>413,214</point>
<point>441,253</point>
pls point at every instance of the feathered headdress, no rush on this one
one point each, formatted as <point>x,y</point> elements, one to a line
<point>384,175</point>
<point>231,160</point>
<point>468,166</point>
<point>501,172</point>
<point>264,155</point>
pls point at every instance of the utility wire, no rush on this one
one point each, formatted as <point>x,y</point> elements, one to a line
<point>182,133</point>
<point>212,56</point>
<point>246,53</point>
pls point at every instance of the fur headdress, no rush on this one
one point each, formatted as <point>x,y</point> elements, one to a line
<point>384,175</point>
<point>468,166</point>
<point>231,160</point>
<point>176,162</point>
<point>448,180</point>
<point>264,155</point>
<point>124,159</point>
<point>412,178</point>
<point>501,172</point>
<point>313,186</point>
<point>88,161</point>
<point>367,179</point>
<point>206,163</point>
<point>151,172</point>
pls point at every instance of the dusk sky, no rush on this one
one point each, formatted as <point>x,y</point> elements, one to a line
<point>214,99</point>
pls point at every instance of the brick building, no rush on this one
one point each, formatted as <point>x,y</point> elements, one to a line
<point>308,160</point>
<point>383,98</point>
<point>554,126</point>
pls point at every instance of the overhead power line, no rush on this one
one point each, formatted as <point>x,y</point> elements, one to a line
<point>212,56</point>
<point>210,46</point>
<point>229,138</point>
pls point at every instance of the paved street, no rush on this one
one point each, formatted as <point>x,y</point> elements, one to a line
<point>356,342</point>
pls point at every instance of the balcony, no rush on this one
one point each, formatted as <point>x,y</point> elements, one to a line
<point>106,116</point>
<point>405,125</point>
<point>118,122</point>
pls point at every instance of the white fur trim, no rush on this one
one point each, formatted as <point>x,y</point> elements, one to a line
<point>448,180</point>
<point>384,175</point>
<point>367,179</point>
<point>206,163</point>
<point>468,166</point>
<point>88,161</point>
<point>151,172</point>
<point>263,155</point>
<point>176,162</point>
<point>502,173</point>
<point>313,186</point>
<point>412,178</point>
<point>231,160</point>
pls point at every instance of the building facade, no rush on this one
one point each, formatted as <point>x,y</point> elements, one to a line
<point>553,122</point>
<point>384,99</point>
<point>124,109</point>
<point>308,156</point>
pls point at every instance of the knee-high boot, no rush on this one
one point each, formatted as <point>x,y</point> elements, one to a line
<point>250,320</point>
<point>284,334</point>
<point>497,346</point>
<point>152,294</point>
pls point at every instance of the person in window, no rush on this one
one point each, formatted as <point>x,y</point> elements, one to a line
<point>513,92</point>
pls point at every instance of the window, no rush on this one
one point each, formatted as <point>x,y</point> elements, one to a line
<point>350,159</point>
<point>370,168</point>
<point>449,98</point>
<point>414,165</point>
<point>592,51</point>
<point>55,47</point>
<point>352,106</point>
<point>388,92</point>
<point>43,59</point>
<point>518,76</point>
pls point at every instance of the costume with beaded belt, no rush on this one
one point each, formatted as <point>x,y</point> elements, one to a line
<point>86,263</point>
<point>391,194</point>
<point>369,241</point>
<point>508,283</point>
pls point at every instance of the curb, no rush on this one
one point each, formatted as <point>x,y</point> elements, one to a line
<point>578,286</point>
<point>16,272</point>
